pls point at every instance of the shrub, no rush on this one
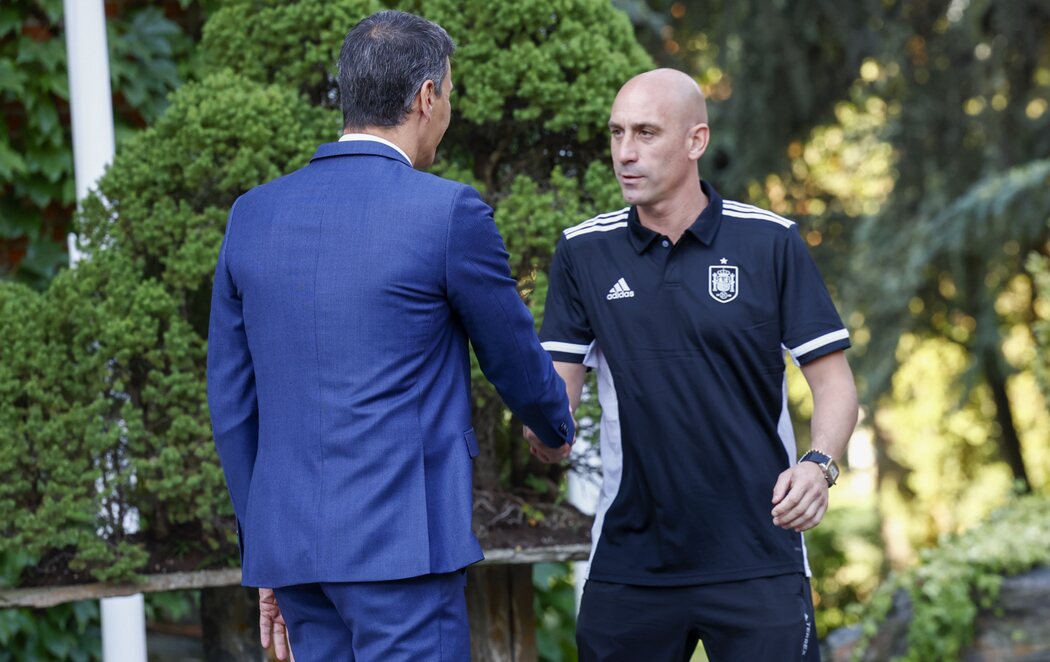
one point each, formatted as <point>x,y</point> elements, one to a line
<point>962,575</point>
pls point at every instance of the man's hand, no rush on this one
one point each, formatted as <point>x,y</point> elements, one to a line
<point>271,625</point>
<point>800,497</point>
<point>544,452</point>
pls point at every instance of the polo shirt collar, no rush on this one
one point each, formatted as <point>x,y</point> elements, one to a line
<point>703,228</point>
<point>641,236</point>
<point>362,143</point>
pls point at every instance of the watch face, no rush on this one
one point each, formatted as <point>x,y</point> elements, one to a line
<point>832,470</point>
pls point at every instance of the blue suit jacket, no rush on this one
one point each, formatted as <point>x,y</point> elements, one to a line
<point>338,370</point>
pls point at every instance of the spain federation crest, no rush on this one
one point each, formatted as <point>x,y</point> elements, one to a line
<point>723,283</point>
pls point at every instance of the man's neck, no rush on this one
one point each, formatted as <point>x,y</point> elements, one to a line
<point>672,217</point>
<point>397,135</point>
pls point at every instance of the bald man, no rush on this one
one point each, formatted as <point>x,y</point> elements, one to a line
<point>684,303</point>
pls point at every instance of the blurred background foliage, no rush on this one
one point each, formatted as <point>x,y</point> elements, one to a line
<point>555,607</point>
<point>954,581</point>
<point>67,632</point>
<point>908,138</point>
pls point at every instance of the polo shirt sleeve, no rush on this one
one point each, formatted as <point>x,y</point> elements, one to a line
<point>811,326</point>
<point>566,332</point>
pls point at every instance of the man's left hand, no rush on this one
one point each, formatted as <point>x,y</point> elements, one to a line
<point>272,627</point>
<point>800,497</point>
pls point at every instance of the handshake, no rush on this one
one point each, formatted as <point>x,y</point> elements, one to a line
<point>544,452</point>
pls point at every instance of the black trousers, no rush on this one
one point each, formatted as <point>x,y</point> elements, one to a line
<point>769,619</point>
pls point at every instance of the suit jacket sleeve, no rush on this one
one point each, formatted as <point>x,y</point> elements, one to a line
<point>231,382</point>
<point>485,297</point>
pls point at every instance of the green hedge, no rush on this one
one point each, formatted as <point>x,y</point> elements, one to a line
<point>104,410</point>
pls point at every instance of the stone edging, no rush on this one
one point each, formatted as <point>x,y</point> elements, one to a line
<point>49,596</point>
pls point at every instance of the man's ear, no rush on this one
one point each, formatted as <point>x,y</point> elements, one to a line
<point>426,97</point>
<point>699,136</point>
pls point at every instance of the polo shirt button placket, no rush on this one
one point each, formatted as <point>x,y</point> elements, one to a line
<point>671,268</point>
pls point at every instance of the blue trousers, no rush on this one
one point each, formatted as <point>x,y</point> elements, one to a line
<point>769,619</point>
<point>418,619</point>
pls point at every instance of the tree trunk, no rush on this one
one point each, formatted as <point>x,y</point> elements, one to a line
<point>230,624</point>
<point>988,352</point>
<point>499,609</point>
<point>898,548</point>
<point>1009,442</point>
<point>487,425</point>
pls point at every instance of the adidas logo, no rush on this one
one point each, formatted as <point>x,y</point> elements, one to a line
<point>621,290</point>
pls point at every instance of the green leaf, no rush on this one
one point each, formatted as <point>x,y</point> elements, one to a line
<point>51,54</point>
<point>54,164</point>
<point>10,20</point>
<point>11,78</point>
<point>44,257</point>
<point>45,118</point>
<point>11,162</point>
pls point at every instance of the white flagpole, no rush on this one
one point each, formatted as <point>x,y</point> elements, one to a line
<point>90,97</point>
<point>91,107</point>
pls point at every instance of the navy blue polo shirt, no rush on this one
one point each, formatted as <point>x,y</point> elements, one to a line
<point>688,342</point>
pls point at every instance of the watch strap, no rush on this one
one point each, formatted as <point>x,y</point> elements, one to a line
<point>826,464</point>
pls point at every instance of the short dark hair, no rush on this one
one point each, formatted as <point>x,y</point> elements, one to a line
<point>385,59</point>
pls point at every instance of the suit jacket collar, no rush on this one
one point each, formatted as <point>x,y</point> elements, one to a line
<point>356,148</point>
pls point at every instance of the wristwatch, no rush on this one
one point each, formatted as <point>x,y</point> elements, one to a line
<point>827,465</point>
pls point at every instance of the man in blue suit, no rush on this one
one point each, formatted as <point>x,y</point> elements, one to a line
<point>338,371</point>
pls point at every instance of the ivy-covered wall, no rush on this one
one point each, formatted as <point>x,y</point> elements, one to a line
<point>149,49</point>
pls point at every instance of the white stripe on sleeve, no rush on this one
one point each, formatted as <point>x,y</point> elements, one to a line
<point>817,343</point>
<point>568,348</point>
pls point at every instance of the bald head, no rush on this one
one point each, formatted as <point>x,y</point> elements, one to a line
<point>657,133</point>
<point>671,90</point>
